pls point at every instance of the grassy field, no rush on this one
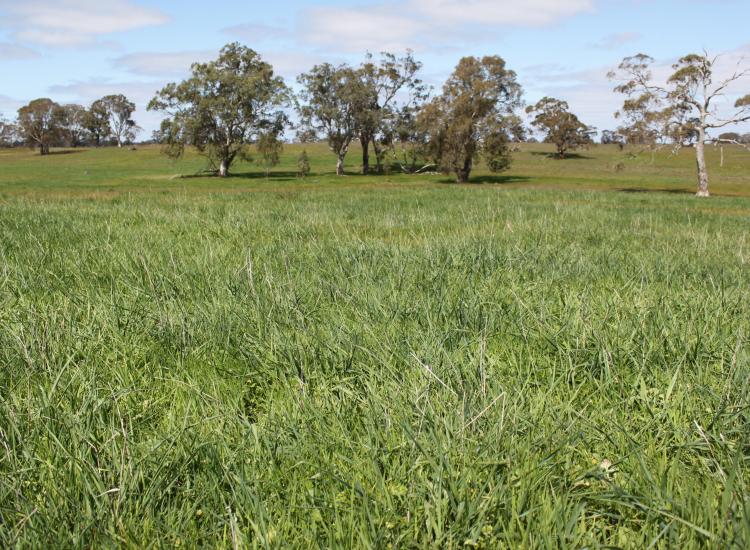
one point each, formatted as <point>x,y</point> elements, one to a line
<point>556,358</point>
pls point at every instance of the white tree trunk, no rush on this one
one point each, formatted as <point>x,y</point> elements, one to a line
<point>700,157</point>
<point>340,165</point>
<point>224,168</point>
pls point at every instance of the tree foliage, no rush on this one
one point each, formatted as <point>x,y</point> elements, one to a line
<point>392,93</point>
<point>118,111</point>
<point>303,164</point>
<point>225,105</point>
<point>472,117</point>
<point>269,148</point>
<point>41,123</point>
<point>332,98</point>
<point>560,127</point>
<point>682,110</point>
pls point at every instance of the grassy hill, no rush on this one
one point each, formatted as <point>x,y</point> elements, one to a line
<point>556,357</point>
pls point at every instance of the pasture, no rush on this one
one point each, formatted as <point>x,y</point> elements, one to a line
<point>555,357</point>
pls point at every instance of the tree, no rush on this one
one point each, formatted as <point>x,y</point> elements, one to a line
<point>613,137</point>
<point>223,107</point>
<point>40,123</point>
<point>303,164</point>
<point>685,106</point>
<point>408,140</point>
<point>74,124</point>
<point>96,122</point>
<point>389,88</point>
<point>269,148</point>
<point>332,97</point>
<point>8,133</point>
<point>473,116</point>
<point>119,114</point>
<point>731,137</point>
<point>560,126</point>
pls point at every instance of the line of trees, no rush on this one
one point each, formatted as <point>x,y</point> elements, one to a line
<point>237,101</point>
<point>43,124</point>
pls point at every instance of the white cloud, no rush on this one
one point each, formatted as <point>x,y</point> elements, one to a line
<point>74,22</point>
<point>256,32</point>
<point>89,90</point>
<point>428,24</point>
<point>163,63</point>
<point>501,12</point>
<point>10,52</point>
<point>358,29</point>
<point>615,41</point>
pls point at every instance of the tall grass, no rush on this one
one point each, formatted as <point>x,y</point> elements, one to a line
<point>382,367</point>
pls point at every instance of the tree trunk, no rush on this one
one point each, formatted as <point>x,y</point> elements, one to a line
<point>378,157</point>
<point>44,148</point>
<point>463,173</point>
<point>722,156</point>
<point>224,168</point>
<point>700,157</point>
<point>365,141</point>
<point>340,165</point>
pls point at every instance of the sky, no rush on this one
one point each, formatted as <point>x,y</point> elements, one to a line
<point>75,51</point>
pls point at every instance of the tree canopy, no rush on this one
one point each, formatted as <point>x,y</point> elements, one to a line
<point>473,116</point>
<point>225,105</point>
<point>41,123</point>
<point>684,108</point>
<point>560,127</point>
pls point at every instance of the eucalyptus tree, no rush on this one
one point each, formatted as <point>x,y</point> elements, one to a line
<point>96,122</point>
<point>560,127</point>
<point>686,106</point>
<point>391,89</point>
<point>473,117</point>
<point>332,100</point>
<point>74,124</point>
<point>225,106</point>
<point>41,123</point>
<point>8,133</point>
<point>119,112</point>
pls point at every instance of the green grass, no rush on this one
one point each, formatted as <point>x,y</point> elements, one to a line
<point>540,362</point>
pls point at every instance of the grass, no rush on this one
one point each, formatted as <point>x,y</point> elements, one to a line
<point>540,362</point>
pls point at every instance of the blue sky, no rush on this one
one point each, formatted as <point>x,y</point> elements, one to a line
<point>79,50</point>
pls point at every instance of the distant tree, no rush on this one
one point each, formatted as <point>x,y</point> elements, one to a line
<point>269,148</point>
<point>407,141</point>
<point>119,111</point>
<point>561,127</point>
<point>390,88</point>
<point>643,122</point>
<point>8,133</point>
<point>97,123</point>
<point>223,107</point>
<point>41,123</point>
<point>731,137</point>
<point>303,164</point>
<point>74,124</point>
<point>331,100</point>
<point>612,137</point>
<point>472,117</point>
<point>685,105</point>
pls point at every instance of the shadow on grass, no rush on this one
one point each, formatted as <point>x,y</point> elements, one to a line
<point>490,180</point>
<point>243,175</point>
<point>672,191</point>
<point>66,152</point>
<point>568,156</point>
